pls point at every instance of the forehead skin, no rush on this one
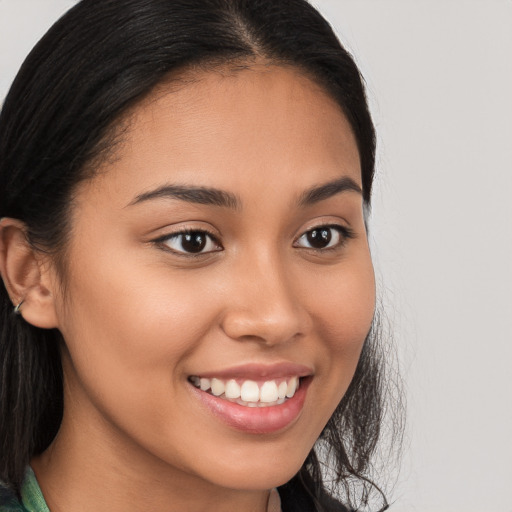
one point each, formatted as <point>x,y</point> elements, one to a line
<point>215,106</point>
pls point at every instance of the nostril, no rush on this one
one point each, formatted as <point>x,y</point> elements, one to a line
<point>270,328</point>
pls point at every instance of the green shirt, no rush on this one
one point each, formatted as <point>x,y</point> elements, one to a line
<point>31,496</point>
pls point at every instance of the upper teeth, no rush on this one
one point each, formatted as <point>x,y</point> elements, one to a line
<point>270,391</point>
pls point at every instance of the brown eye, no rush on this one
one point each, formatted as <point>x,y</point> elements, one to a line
<point>319,238</point>
<point>191,242</point>
<point>323,237</point>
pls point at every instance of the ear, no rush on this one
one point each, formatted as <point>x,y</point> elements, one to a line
<point>27,275</point>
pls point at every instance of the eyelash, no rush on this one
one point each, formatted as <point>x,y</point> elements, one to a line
<point>163,240</point>
<point>343,232</point>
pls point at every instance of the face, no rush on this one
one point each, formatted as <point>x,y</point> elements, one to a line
<point>217,263</point>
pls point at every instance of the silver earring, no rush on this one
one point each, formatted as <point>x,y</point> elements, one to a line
<point>17,308</point>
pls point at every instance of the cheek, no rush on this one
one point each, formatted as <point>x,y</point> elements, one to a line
<point>346,306</point>
<point>129,335</point>
<point>129,325</point>
<point>343,312</point>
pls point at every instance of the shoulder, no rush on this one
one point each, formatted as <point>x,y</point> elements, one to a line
<point>9,502</point>
<point>32,499</point>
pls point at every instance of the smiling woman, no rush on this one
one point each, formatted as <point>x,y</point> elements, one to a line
<point>189,293</point>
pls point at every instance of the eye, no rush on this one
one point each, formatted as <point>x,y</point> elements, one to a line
<point>324,237</point>
<point>191,242</point>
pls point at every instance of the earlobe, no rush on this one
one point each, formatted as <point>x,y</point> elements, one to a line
<point>25,276</point>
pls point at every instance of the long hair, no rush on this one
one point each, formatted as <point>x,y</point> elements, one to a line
<point>59,121</point>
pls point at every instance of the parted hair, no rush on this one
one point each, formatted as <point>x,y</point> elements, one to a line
<point>59,121</point>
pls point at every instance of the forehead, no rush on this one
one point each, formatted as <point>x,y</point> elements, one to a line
<point>261,125</point>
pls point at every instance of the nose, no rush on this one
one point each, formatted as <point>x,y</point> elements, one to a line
<point>264,305</point>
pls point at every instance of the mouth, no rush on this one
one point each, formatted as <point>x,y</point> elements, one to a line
<point>247,392</point>
<point>254,399</point>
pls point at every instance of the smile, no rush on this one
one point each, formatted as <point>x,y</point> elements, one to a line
<point>249,393</point>
<point>254,398</point>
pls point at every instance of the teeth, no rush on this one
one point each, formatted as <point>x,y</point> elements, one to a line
<point>269,392</point>
<point>218,387</point>
<point>292,387</point>
<point>204,384</point>
<point>232,389</point>
<point>282,388</point>
<point>249,393</point>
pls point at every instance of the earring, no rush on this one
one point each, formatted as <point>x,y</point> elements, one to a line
<point>17,308</point>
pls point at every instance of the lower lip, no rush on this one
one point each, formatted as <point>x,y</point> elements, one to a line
<point>256,420</point>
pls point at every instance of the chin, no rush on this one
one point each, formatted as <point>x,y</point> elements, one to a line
<point>259,472</point>
<point>257,479</point>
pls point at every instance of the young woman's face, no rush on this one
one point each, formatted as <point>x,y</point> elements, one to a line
<point>223,247</point>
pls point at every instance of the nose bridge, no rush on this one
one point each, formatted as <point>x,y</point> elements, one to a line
<point>263,303</point>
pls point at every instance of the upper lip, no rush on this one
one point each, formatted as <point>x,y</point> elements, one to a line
<point>256,371</point>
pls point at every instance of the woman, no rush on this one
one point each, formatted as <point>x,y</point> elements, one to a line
<point>189,294</point>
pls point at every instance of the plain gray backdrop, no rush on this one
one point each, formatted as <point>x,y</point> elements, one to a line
<point>439,75</point>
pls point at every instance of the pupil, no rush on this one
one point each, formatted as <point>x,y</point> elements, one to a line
<point>319,238</point>
<point>193,242</point>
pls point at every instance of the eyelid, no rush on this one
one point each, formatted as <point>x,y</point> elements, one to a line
<point>184,231</point>
<point>346,233</point>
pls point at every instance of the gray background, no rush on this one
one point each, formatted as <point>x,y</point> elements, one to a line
<point>439,74</point>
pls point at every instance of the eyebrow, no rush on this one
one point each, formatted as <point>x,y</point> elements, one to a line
<point>192,194</point>
<point>216,197</point>
<point>328,190</point>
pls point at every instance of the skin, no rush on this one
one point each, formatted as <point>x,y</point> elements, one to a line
<point>138,318</point>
